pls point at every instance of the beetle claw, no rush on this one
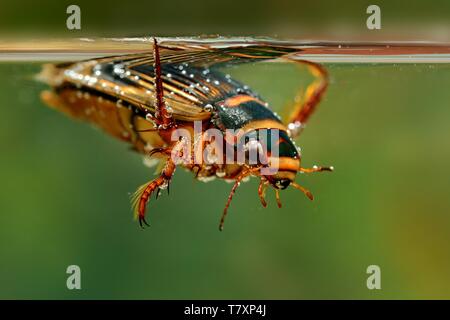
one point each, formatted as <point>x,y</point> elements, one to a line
<point>143,222</point>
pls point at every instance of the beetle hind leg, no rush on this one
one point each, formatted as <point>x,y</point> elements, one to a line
<point>163,118</point>
<point>306,103</point>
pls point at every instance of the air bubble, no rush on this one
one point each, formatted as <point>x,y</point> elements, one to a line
<point>220,174</point>
<point>169,111</point>
<point>209,108</point>
<point>118,69</point>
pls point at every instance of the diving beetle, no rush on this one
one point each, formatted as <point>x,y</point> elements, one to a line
<point>144,98</point>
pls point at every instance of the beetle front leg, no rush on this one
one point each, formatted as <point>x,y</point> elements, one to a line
<point>306,103</point>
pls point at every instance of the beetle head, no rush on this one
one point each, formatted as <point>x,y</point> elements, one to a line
<point>282,157</point>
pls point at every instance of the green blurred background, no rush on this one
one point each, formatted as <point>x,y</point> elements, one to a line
<point>64,196</point>
<point>416,19</point>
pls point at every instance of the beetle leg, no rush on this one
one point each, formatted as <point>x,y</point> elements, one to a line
<point>163,117</point>
<point>159,151</point>
<point>262,192</point>
<point>144,192</point>
<point>230,197</point>
<point>305,104</point>
<point>304,190</point>
<point>277,196</point>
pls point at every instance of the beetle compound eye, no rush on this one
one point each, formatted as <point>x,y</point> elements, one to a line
<point>283,183</point>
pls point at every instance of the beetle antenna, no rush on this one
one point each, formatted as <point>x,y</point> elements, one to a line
<point>304,190</point>
<point>315,169</point>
